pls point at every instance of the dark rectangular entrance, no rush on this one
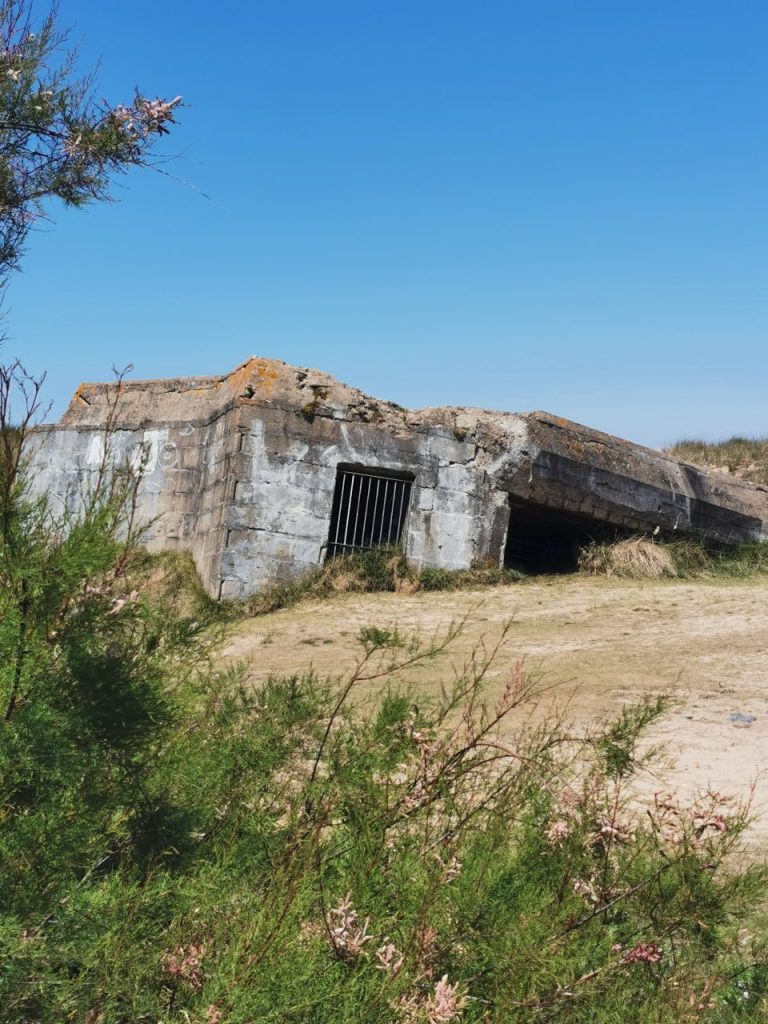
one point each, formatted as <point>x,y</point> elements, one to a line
<point>370,509</point>
<point>548,540</point>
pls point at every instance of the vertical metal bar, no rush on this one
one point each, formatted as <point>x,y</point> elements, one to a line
<point>349,508</point>
<point>357,511</point>
<point>375,510</point>
<point>365,513</point>
<point>339,511</point>
<point>383,510</point>
<point>400,513</point>
<point>395,485</point>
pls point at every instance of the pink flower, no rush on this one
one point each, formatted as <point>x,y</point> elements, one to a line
<point>390,958</point>
<point>184,964</point>
<point>445,1004</point>
<point>512,690</point>
<point>643,953</point>
<point>558,832</point>
<point>450,869</point>
<point>348,936</point>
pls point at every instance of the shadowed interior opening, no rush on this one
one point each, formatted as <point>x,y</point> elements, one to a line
<point>546,540</point>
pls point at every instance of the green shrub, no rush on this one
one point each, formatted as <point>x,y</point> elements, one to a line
<point>313,862</point>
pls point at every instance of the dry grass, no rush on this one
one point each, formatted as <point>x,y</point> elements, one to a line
<point>743,457</point>
<point>170,578</point>
<point>380,570</point>
<point>636,558</point>
<point>642,558</point>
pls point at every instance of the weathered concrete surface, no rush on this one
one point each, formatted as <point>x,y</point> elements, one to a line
<point>241,469</point>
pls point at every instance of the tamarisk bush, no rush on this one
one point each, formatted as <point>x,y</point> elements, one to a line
<point>84,695</point>
<point>57,141</point>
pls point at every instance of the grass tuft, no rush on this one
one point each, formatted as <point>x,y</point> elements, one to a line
<point>171,579</point>
<point>644,558</point>
<point>744,457</point>
<point>634,558</point>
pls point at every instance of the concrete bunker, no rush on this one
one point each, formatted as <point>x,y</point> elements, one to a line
<point>548,540</point>
<point>265,472</point>
<point>370,509</point>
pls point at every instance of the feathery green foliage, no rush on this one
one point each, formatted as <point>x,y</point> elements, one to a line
<point>288,856</point>
<point>56,140</point>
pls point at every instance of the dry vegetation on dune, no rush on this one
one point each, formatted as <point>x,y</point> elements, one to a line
<point>744,457</point>
<point>635,558</point>
<point>382,569</point>
<point>643,558</point>
<point>171,578</point>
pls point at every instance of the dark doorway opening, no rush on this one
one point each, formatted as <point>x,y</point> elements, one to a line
<point>546,540</point>
<point>370,509</point>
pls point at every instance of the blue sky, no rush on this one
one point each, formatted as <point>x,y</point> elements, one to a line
<point>519,205</point>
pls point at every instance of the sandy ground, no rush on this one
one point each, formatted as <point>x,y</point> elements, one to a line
<point>593,645</point>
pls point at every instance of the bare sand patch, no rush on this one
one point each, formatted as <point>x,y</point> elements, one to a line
<point>595,644</point>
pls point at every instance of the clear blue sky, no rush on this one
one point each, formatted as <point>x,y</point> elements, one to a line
<point>517,205</point>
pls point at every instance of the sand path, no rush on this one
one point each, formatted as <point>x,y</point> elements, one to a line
<point>593,643</point>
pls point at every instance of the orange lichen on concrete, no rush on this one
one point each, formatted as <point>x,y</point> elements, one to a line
<point>266,374</point>
<point>258,375</point>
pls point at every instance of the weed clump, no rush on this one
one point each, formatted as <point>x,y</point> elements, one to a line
<point>694,560</point>
<point>484,575</point>
<point>634,558</point>
<point>646,558</point>
<point>171,579</point>
<point>378,570</point>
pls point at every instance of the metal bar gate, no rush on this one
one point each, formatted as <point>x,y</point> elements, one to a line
<point>369,510</point>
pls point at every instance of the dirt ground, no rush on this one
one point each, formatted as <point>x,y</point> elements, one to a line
<point>593,644</point>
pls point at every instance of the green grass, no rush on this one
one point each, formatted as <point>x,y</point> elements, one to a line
<point>744,456</point>
<point>696,561</point>
<point>489,575</point>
